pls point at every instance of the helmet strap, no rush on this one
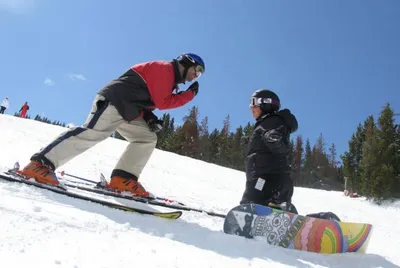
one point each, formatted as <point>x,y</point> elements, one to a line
<point>186,64</point>
<point>179,78</point>
<point>185,71</point>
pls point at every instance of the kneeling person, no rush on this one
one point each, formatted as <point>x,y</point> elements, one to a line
<point>268,178</point>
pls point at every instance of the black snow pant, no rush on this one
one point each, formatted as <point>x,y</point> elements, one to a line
<point>272,188</point>
<point>2,109</point>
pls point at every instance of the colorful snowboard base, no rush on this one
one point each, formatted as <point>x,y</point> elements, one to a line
<point>298,232</point>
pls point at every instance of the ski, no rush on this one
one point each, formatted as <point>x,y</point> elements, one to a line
<point>59,190</point>
<point>146,200</point>
<point>99,188</point>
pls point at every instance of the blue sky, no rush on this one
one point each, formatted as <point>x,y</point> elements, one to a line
<point>331,62</point>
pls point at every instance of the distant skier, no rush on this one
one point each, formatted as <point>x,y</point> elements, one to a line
<point>24,109</point>
<point>4,105</point>
<point>268,172</point>
<point>126,105</point>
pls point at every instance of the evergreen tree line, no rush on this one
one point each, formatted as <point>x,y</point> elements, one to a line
<point>311,166</point>
<point>371,165</point>
<point>44,120</point>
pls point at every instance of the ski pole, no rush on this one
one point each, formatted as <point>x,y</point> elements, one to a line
<point>63,173</point>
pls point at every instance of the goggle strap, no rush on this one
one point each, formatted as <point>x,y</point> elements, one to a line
<point>258,101</point>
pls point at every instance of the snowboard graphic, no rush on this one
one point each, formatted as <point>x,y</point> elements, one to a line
<point>298,232</point>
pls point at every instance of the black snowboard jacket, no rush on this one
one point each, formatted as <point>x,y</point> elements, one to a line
<point>268,146</point>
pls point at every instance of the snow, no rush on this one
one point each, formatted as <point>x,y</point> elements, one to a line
<point>44,229</point>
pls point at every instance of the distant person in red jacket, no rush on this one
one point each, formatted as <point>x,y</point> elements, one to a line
<point>24,109</point>
<point>125,105</point>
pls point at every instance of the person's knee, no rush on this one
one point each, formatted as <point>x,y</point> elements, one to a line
<point>253,193</point>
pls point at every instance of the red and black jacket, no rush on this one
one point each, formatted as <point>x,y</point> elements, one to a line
<point>146,86</point>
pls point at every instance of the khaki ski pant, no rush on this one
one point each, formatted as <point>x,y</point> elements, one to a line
<point>102,121</point>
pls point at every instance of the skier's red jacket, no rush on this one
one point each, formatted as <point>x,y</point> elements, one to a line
<point>24,108</point>
<point>147,85</point>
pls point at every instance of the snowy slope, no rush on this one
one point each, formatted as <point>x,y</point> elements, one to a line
<point>48,230</point>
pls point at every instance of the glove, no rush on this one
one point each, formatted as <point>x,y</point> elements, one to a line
<point>152,121</point>
<point>155,125</point>
<point>194,87</point>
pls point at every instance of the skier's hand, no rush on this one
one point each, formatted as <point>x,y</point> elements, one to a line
<point>155,125</point>
<point>152,121</point>
<point>194,87</point>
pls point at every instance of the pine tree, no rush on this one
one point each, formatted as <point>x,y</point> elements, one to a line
<point>397,163</point>
<point>214,146</point>
<point>333,172</point>
<point>320,160</point>
<point>205,143</point>
<point>308,160</point>
<point>248,129</point>
<point>237,157</point>
<point>387,148</point>
<point>224,144</point>
<point>188,135</point>
<point>299,151</point>
<point>332,156</point>
<point>348,170</point>
<point>170,137</point>
<point>166,131</point>
<point>370,183</point>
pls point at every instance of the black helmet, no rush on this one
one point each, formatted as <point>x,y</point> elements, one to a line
<point>267,100</point>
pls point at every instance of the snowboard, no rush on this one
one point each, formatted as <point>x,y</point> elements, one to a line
<point>304,233</point>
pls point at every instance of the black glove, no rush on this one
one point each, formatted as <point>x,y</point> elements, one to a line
<point>152,121</point>
<point>155,125</point>
<point>194,87</point>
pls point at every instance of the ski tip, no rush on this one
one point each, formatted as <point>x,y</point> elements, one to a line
<point>169,215</point>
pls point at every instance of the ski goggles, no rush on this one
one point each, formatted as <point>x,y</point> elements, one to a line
<point>199,70</point>
<point>254,101</point>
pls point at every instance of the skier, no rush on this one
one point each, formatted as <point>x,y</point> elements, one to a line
<point>24,109</point>
<point>268,178</point>
<point>125,104</point>
<point>4,105</point>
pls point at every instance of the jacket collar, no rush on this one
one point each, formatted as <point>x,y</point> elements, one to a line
<point>178,77</point>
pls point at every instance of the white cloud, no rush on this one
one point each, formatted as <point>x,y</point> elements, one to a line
<point>48,81</point>
<point>75,77</point>
<point>17,6</point>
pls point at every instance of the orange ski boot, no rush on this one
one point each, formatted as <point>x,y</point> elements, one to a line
<point>40,172</point>
<point>128,185</point>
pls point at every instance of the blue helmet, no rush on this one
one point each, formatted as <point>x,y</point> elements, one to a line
<point>190,59</point>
